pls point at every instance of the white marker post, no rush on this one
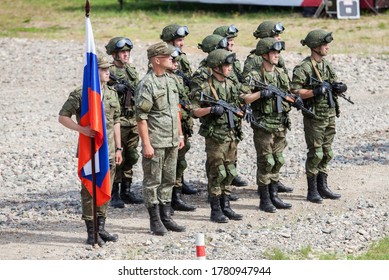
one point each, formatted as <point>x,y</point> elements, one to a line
<point>200,246</point>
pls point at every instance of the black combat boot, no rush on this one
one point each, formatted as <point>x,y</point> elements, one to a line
<point>164,211</point>
<point>323,189</point>
<point>156,225</point>
<point>239,182</point>
<point>233,197</point>
<point>90,239</point>
<point>116,201</point>
<point>217,214</point>
<point>127,195</point>
<point>105,235</point>
<point>265,203</point>
<point>226,208</point>
<point>276,201</point>
<point>282,188</point>
<point>188,188</point>
<point>313,195</point>
<point>178,204</point>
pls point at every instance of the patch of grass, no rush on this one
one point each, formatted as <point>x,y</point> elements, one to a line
<point>276,254</point>
<point>143,20</point>
<point>379,251</point>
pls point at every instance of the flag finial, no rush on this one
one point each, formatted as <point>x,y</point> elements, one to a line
<point>87,8</point>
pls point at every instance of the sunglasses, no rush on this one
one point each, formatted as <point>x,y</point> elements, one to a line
<point>182,31</point>
<point>125,41</point>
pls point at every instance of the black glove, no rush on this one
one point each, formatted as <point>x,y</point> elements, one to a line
<point>321,90</point>
<point>339,87</point>
<point>266,94</point>
<point>298,101</point>
<point>217,110</point>
<point>120,88</point>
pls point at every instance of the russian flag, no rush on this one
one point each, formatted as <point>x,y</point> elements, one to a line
<point>92,114</point>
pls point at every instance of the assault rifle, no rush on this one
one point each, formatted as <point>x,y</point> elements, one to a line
<point>294,100</point>
<point>246,114</point>
<point>315,82</point>
<point>125,91</point>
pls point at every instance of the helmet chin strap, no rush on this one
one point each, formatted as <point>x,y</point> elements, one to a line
<point>220,73</point>
<point>267,60</point>
<point>116,58</point>
<point>317,52</point>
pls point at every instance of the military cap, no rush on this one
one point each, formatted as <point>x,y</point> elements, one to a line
<point>161,48</point>
<point>102,61</point>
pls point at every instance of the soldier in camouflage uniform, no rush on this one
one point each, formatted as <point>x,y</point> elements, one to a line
<point>323,101</point>
<point>187,131</point>
<point>71,107</point>
<point>174,35</point>
<point>231,32</point>
<point>264,30</point>
<point>269,140</point>
<point>124,78</point>
<point>254,61</point>
<point>159,126</point>
<point>221,139</point>
<point>209,43</point>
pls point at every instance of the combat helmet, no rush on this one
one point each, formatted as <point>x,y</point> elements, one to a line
<point>269,44</point>
<point>213,42</point>
<point>173,31</point>
<point>268,29</point>
<point>219,57</point>
<point>118,44</point>
<point>316,38</point>
<point>227,31</point>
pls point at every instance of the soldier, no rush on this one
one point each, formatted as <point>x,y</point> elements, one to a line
<point>159,126</point>
<point>231,32</point>
<point>264,30</point>
<point>221,139</point>
<point>208,44</point>
<point>323,101</point>
<point>187,131</point>
<point>253,61</point>
<point>270,139</point>
<point>174,35</point>
<point>71,107</point>
<point>124,77</point>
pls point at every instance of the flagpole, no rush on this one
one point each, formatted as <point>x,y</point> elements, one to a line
<point>93,151</point>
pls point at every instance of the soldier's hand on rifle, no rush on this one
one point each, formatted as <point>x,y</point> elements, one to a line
<point>217,110</point>
<point>339,87</point>
<point>298,101</point>
<point>120,88</point>
<point>320,90</point>
<point>266,94</point>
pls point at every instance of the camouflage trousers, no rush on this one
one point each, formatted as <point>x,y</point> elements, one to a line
<point>319,136</point>
<point>269,147</point>
<point>87,201</point>
<point>181,162</point>
<point>159,175</point>
<point>130,141</point>
<point>220,166</point>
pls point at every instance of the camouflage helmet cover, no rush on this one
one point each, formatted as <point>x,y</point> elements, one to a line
<point>173,31</point>
<point>316,38</point>
<point>118,44</point>
<point>268,28</point>
<point>269,44</point>
<point>213,42</point>
<point>219,57</point>
<point>227,31</point>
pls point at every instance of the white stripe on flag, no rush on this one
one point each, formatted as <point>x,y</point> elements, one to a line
<point>88,166</point>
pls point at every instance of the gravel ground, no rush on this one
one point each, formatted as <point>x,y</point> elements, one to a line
<point>40,206</point>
